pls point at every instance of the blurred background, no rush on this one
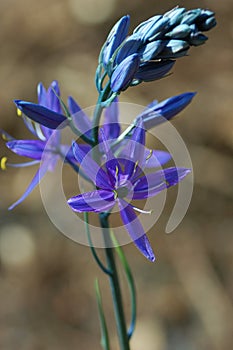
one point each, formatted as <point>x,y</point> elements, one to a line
<point>46,280</point>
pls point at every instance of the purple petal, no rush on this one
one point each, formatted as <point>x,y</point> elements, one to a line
<point>154,159</point>
<point>53,95</point>
<point>152,184</point>
<point>35,181</point>
<point>42,95</point>
<point>91,168</point>
<point>135,148</point>
<point>27,148</point>
<point>111,124</point>
<point>41,115</point>
<point>135,230</point>
<point>165,110</point>
<point>96,201</point>
<point>81,120</point>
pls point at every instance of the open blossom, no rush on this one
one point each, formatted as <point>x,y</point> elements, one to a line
<point>47,148</point>
<point>120,180</point>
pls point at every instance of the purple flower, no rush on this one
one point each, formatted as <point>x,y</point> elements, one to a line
<point>121,180</point>
<point>47,149</point>
<point>48,111</point>
<point>156,113</point>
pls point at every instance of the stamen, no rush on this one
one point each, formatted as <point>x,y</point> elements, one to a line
<point>19,112</point>
<point>135,166</point>
<point>142,211</point>
<point>3,163</point>
<point>149,155</point>
<point>6,137</point>
<point>115,194</point>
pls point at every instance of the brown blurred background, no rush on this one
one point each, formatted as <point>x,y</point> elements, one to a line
<point>46,281</point>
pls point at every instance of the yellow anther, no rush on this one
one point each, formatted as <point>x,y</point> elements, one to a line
<point>3,163</point>
<point>149,155</point>
<point>19,112</point>
<point>4,137</point>
<point>117,170</point>
<point>115,194</point>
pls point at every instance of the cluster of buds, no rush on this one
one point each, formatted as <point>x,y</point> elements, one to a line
<point>150,52</point>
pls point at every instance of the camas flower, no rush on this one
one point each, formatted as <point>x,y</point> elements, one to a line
<point>47,149</point>
<point>121,180</point>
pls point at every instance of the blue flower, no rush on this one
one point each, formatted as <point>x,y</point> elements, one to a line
<point>47,149</point>
<point>121,180</point>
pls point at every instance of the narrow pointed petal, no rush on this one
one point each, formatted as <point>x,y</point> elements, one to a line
<point>165,110</point>
<point>91,168</point>
<point>81,120</point>
<point>27,148</point>
<point>35,181</point>
<point>95,201</point>
<point>41,115</point>
<point>135,230</point>
<point>111,124</point>
<point>42,95</point>
<point>154,159</point>
<point>53,95</point>
<point>152,184</point>
<point>135,148</point>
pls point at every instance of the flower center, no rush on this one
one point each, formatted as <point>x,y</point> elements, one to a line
<point>122,192</point>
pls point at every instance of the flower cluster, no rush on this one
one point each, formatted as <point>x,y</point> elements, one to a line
<point>150,52</point>
<point>118,171</point>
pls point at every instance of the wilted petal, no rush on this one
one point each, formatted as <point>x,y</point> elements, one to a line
<point>135,229</point>
<point>96,201</point>
<point>41,115</point>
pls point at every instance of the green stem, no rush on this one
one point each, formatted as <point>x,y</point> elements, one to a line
<point>115,285</point>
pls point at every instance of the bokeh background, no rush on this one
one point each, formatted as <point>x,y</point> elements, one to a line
<point>46,281</point>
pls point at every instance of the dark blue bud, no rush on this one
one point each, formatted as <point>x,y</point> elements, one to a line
<point>179,32</point>
<point>197,39</point>
<point>151,50</point>
<point>130,47</point>
<point>153,70</point>
<point>175,15</point>
<point>116,36</point>
<point>174,48</point>
<point>145,27</point>
<point>190,16</point>
<point>208,24</point>
<point>157,29</point>
<point>124,73</point>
